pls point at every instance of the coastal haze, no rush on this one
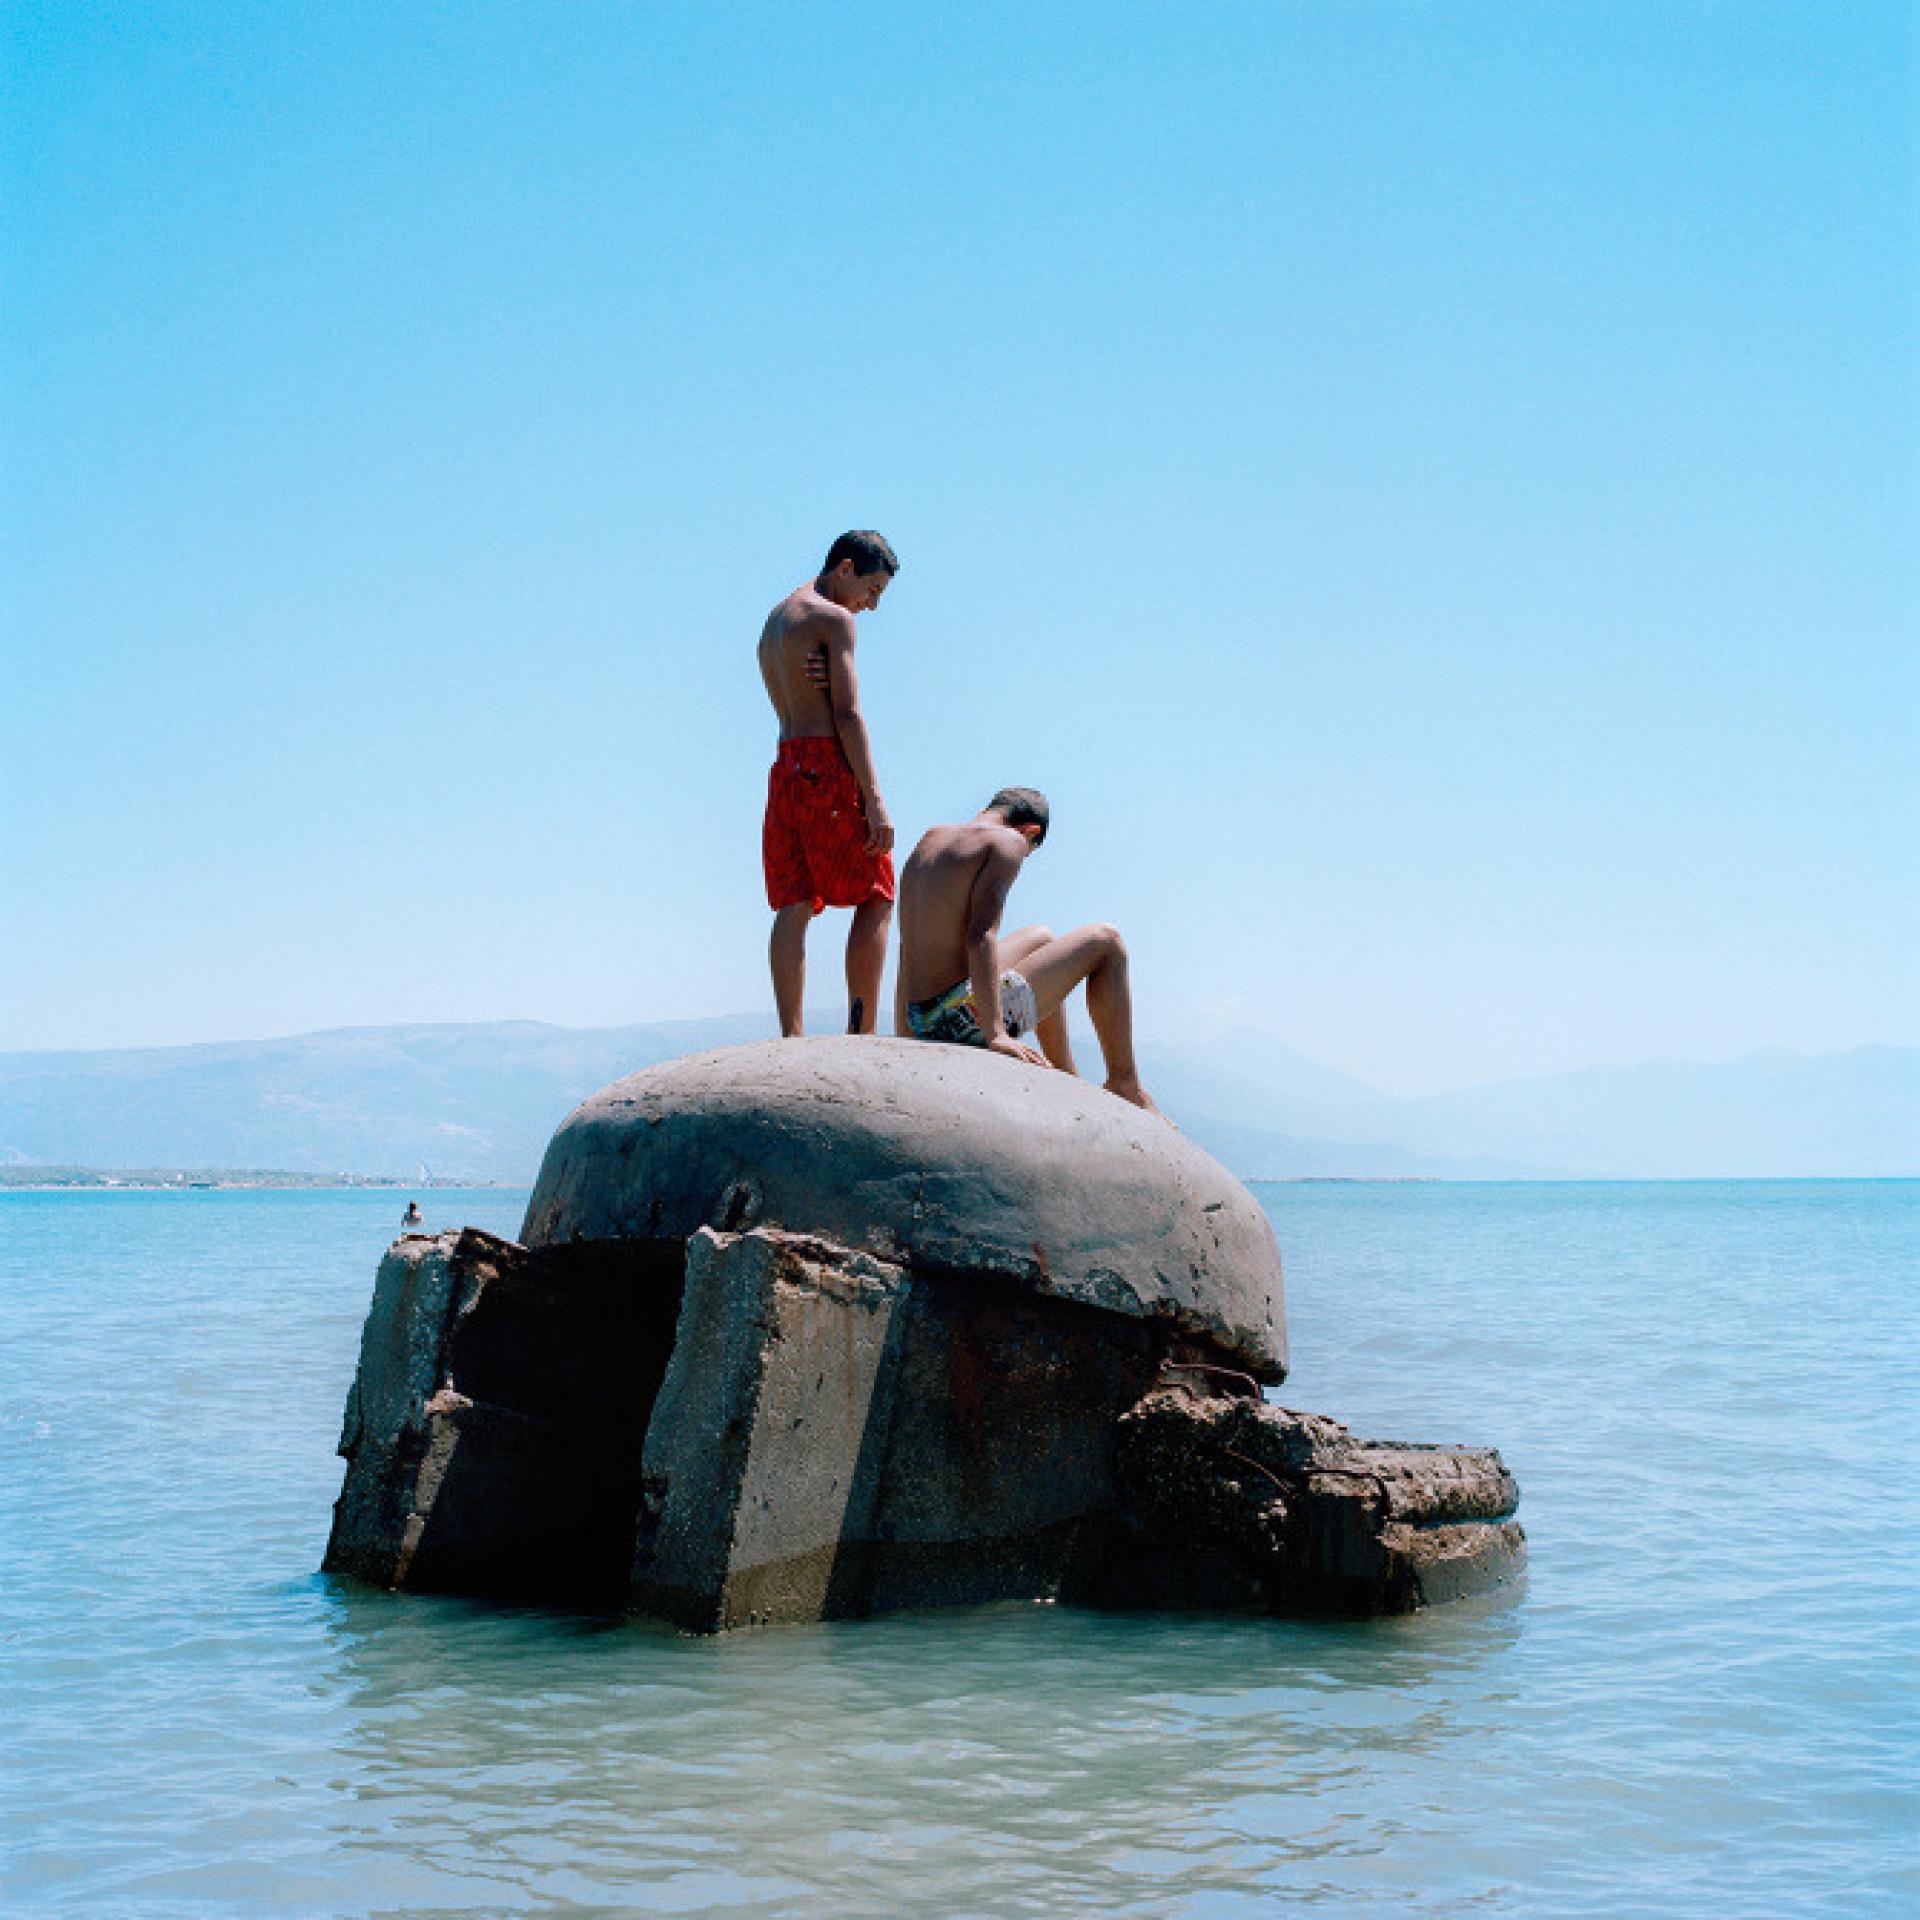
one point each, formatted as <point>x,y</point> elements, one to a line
<point>480,1102</point>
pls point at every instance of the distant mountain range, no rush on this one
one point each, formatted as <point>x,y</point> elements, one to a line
<point>1774,1114</point>
<point>481,1102</point>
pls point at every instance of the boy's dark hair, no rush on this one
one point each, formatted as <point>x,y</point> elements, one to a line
<point>1022,807</point>
<point>868,552</point>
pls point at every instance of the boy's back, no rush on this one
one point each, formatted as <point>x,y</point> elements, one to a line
<point>797,630</point>
<point>936,899</point>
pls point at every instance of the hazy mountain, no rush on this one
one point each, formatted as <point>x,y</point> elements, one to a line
<point>1269,1112</point>
<point>482,1101</point>
<point>1772,1114</point>
<point>1768,1114</point>
<point>478,1101</point>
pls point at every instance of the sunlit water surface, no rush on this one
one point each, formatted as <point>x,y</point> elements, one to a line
<point>1703,1701</point>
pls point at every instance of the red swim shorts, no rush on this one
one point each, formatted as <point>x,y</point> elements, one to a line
<point>814,843</point>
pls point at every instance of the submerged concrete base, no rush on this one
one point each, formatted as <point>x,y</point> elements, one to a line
<point>1226,1501</point>
<point>493,1428</point>
<point>760,1469</point>
<point>765,1426</point>
<point>838,1435</point>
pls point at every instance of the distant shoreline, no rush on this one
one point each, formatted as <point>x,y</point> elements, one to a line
<point>37,1179</point>
<point>1351,1180</point>
<point>41,1179</point>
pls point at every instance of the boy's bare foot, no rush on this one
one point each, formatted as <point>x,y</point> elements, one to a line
<point>1131,1089</point>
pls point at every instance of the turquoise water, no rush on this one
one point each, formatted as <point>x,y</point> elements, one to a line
<point>1703,1700</point>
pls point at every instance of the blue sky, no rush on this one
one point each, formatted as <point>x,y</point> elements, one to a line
<point>1429,490</point>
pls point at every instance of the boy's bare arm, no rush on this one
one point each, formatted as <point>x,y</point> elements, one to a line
<point>999,867</point>
<point>843,688</point>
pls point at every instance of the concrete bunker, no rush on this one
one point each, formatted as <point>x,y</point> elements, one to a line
<point>814,1329</point>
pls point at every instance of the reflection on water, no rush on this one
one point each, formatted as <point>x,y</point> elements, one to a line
<point>985,1757</point>
<point>1703,1699</point>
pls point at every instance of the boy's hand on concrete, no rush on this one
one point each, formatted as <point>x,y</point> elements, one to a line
<point>1016,1050</point>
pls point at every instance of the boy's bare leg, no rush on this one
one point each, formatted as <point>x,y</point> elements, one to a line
<point>1051,1030</point>
<point>866,962</point>
<point>787,954</point>
<point>1015,946</point>
<point>1110,1008</point>
<point>1055,1042</point>
<point>1098,956</point>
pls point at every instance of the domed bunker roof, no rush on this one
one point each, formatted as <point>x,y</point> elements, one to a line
<point>937,1157</point>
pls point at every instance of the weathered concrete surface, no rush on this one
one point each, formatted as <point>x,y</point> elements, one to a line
<point>937,1158</point>
<point>1226,1501</point>
<point>761,1463</point>
<point>840,1435</point>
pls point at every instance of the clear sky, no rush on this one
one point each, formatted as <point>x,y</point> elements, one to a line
<point>1430,490</point>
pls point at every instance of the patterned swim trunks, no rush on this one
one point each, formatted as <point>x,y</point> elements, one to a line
<point>950,1016</point>
<point>813,844</point>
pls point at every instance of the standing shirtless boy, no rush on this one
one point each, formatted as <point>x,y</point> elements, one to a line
<point>961,981</point>
<point>827,841</point>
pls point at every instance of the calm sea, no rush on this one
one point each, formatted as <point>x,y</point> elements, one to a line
<point>1704,1701</point>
